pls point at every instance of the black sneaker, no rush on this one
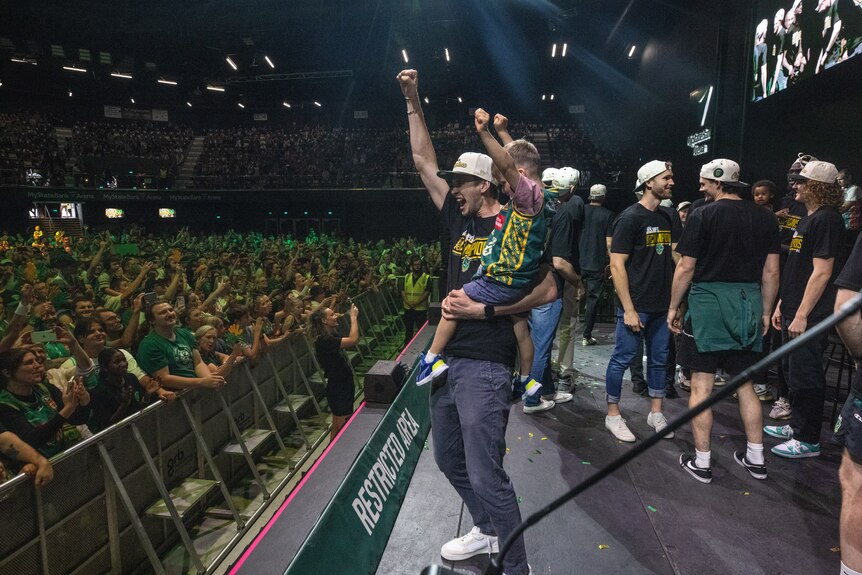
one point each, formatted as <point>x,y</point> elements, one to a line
<point>756,471</point>
<point>639,387</point>
<point>687,462</point>
<point>670,391</point>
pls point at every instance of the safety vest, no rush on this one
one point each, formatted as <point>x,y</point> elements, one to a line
<point>415,290</point>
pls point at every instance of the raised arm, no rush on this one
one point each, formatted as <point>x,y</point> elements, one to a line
<point>424,156</point>
<point>502,160</point>
<point>501,125</point>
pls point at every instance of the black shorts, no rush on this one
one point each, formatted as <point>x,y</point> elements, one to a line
<point>733,362</point>
<point>848,428</point>
<point>340,396</point>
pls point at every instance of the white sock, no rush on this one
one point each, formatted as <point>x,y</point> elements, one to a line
<point>702,459</point>
<point>845,570</point>
<point>525,378</point>
<point>754,453</point>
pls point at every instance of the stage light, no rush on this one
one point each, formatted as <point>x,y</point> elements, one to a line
<point>215,88</point>
<point>75,69</point>
<point>189,104</point>
<point>168,82</point>
<point>70,93</point>
<point>706,108</point>
<point>25,61</point>
<point>268,61</point>
<point>565,48</point>
<point>286,104</point>
<point>632,50</point>
<point>552,96</point>
<point>132,100</point>
<point>447,54</point>
<point>404,55</point>
<point>231,63</point>
<point>316,103</point>
<point>460,101</point>
<point>121,75</point>
<point>554,51</point>
<point>543,97</point>
<point>240,105</point>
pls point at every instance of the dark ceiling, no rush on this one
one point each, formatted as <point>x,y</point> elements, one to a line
<point>500,50</point>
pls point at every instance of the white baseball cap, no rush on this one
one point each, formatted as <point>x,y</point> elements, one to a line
<point>817,171</point>
<point>598,191</point>
<point>470,164</point>
<point>548,176</point>
<point>566,178</point>
<point>650,170</point>
<point>724,171</point>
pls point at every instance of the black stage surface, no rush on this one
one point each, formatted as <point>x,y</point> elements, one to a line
<point>650,517</point>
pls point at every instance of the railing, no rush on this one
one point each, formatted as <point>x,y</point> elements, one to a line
<point>124,497</point>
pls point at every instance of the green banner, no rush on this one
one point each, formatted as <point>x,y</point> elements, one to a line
<point>354,528</point>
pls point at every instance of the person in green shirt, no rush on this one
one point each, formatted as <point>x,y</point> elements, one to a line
<point>170,353</point>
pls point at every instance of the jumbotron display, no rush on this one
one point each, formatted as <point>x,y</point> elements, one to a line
<point>794,40</point>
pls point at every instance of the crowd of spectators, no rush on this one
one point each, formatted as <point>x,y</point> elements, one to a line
<point>29,153</point>
<point>300,156</point>
<point>234,294</point>
<point>266,157</point>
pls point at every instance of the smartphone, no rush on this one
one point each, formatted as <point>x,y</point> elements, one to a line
<point>43,336</point>
<point>181,302</point>
<point>149,299</point>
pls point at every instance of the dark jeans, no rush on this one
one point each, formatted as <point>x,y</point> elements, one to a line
<point>469,414</point>
<point>807,383</point>
<point>413,319</point>
<point>593,284</point>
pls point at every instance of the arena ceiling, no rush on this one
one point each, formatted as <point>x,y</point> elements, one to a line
<point>340,53</point>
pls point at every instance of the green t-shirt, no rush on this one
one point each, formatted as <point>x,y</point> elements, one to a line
<point>156,352</point>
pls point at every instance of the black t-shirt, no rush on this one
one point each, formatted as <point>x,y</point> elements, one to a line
<point>851,279</point>
<point>850,16</point>
<point>331,357</point>
<point>490,340</point>
<point>817,236</point>
<point>730,240</point>
<point>566,226</point>
<point>647,237</point>
<point>779,44</point>
<point>787,223</point>
<point>598,226</point>
<point>105,399</point>
<point>759,62</point>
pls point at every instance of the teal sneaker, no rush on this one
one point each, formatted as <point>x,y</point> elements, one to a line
<point>795,449</point>
<point>779,431</point>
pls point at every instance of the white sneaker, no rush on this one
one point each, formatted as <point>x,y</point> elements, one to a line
<point>681,381</point>
<point>543,405</point>
<point>617,425</point>
<point>563,397</point>
<point>720,379</point>
<point>470,545</point>
<point>781,409</point>
<point>657,421</point>
<point>763,393</point>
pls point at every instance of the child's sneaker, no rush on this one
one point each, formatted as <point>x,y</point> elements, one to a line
<point>531,386</point>
<point>428,371</point>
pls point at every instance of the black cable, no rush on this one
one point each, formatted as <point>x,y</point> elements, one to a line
<point>855,304</point>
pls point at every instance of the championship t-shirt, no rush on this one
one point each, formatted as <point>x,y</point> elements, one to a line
<point>593,247</point>
<point>646,236</point>
<point>156,352</point>
<point>730,240</point>
<point>816,236</point>
<point>851,279</point>
<point>787,223</point>
<point>491,340</point>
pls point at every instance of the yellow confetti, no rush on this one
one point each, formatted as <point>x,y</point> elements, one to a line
<point>531,434</point>
<point>544,439</point>
<point>746,493</point>
<point>604,547</point>
<point>508,450</point>
<point>835,549</point>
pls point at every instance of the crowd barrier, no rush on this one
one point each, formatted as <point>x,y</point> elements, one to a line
<point>123,498</point>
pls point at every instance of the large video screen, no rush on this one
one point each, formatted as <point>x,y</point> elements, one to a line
<point>797,39</point>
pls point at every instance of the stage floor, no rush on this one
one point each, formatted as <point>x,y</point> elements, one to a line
<point>650,517</point>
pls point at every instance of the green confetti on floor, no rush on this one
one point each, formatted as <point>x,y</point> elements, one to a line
<point>585,463</point>
<point>530,460</point>
<point>520,499</point>
<point>539,452</point>
<point>651,508</point>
